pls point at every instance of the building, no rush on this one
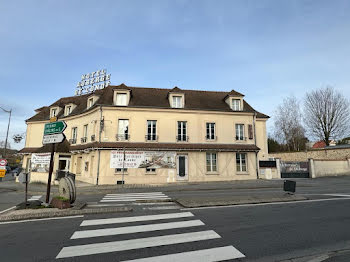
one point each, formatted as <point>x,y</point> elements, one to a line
<point>166,136</point>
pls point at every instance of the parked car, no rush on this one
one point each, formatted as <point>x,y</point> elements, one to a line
<point>16,171</point>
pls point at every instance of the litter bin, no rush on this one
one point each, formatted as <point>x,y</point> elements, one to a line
<point>289,186</point>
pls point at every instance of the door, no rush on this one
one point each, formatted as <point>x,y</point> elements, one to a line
<point>182,167</point>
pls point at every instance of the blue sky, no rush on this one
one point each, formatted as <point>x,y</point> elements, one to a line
<point>264,49</point>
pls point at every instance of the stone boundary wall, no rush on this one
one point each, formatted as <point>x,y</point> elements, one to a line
<point>331,154</point>
<point>326,167</point>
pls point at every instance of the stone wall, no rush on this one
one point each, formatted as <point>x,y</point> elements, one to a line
<point>334,154</point>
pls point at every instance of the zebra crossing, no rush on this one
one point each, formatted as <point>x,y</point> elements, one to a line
<point>158,234</point>
<point>131,197</point>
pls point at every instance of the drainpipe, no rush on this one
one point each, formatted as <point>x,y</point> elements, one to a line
<point>256,152</point>
<point>98,150</point>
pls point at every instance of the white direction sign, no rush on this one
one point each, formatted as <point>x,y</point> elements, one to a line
<point>53,138</point>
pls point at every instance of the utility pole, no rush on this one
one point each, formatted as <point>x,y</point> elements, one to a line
<point>8,127</point>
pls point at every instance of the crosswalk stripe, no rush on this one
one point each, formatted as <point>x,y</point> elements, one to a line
<point>131,199</point>
<point>205,255</point>
<point>161,208</point>
<point>135,229</point>
<point>107,221</point>
<point>127,197</point>
<point>114,246</point>
<point>132,194</point>
<point>35,198</point>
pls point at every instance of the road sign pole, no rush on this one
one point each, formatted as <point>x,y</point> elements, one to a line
<point>26,194</point>
<point>50,173</point>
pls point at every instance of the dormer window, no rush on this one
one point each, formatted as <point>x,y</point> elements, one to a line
<point>236,105</point>
<point>121,99</point>
<point>177,102</point>
<point>53,112</point>
<point>90,102</point>
<point>68,110</point>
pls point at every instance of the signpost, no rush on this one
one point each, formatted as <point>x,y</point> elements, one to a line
<point>53,134</point>
<point>3,163</point>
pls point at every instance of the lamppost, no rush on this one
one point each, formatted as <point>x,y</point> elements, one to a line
<point>8,127</point>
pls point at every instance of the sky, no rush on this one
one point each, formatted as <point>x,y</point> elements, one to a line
<point>267,50</point>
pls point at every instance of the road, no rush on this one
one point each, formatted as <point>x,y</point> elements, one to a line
<point>267,232</point>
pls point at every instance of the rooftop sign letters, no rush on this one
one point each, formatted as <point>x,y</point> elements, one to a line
<point>93,81</point>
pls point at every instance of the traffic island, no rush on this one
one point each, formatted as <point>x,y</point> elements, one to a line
<point>192,202</point>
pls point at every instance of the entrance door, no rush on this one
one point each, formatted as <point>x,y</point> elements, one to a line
<point>182,167</point>
<point>63,163</point>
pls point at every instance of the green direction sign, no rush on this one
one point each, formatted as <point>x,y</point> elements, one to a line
<point>54,127</point>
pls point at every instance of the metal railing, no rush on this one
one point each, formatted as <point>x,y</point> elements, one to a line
<point>122,137</point>
<point>83,139</point>
<point>73,141</point>
<point>151,138</point>
<point>213,138</point>
<point>241,138</point>
<point>182,138</point>
<point>93,138</point>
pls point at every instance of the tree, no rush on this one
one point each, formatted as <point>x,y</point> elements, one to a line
<point>2,145</point>
<point>326,113</point>
<point>288,125</point>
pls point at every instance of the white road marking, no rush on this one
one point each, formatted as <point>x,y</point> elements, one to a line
<point>107,221</point>
<point>135,229</point>
<point>114,246</point>
<point>39,219</point>
<point>337,195</point>
<point>34,198</point>
<point>137,197</point>
<point>132,194</point>
<point>267,204</point>
<point>161,208</point>
<point>153,203</point>
<point>205,255</point>
<point>131,199</point>
<point>105,205</point>
<point>3,211</point>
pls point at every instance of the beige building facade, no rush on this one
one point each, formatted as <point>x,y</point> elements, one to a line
<point>181,135</point>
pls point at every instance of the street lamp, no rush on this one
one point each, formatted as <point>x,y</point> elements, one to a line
<point>8,127</point>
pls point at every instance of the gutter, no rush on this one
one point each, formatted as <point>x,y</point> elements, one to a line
<point>256,152</point>
<point>99,151</point>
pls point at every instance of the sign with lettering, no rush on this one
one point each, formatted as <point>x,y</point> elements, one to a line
<point>93,81</point>
<point>54,127</point>
<point>3,162</point>
<point>143,159</point>
<point>40,162</point>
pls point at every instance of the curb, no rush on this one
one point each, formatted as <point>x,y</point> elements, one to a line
<point>194,204</point>
<point>5,218</point>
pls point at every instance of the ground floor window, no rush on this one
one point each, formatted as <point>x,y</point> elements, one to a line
<point>211,162</point>
<point>150,170</point>
<point>120,170</point>
<point>241,162</point>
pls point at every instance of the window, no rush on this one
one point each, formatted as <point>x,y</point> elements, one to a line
<point>53,112</point>
<point>123,129</point>
<point>151,130</point>
<point>241,162</point>
<point>236,105</point>
<point>240,132</point>
<point>90,102</point>
<point>85,134</point>
<point>150,170</point>
<point>68,110</point>
<point>181,131</point>
<point>177,101</point>
<point>74,135</point>
<point>250,131</point>
<point>120,170</point>
<point>121,99</point>
<point>211,162</point>
<point>210,131</point>
<point>86,168</point>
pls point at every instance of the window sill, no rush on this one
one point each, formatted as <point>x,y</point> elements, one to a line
<point>212,173</point>
<point>120,173</point>
<point>243,173</point>
<point>150,173</point>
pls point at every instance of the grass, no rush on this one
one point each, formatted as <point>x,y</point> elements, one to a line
<point>61,198</point>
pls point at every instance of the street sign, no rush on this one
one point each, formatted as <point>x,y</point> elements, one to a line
<point>2,172</point>
<point>3,162</point>
<point>54,127</point>
<point>53,139</point>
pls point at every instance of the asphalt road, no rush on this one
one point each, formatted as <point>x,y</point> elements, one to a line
<point>271,232</point>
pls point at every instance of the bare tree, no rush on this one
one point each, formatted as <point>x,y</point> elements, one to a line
<point>2,144</point>
<point>326,114</point>
<point>288,125</point>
